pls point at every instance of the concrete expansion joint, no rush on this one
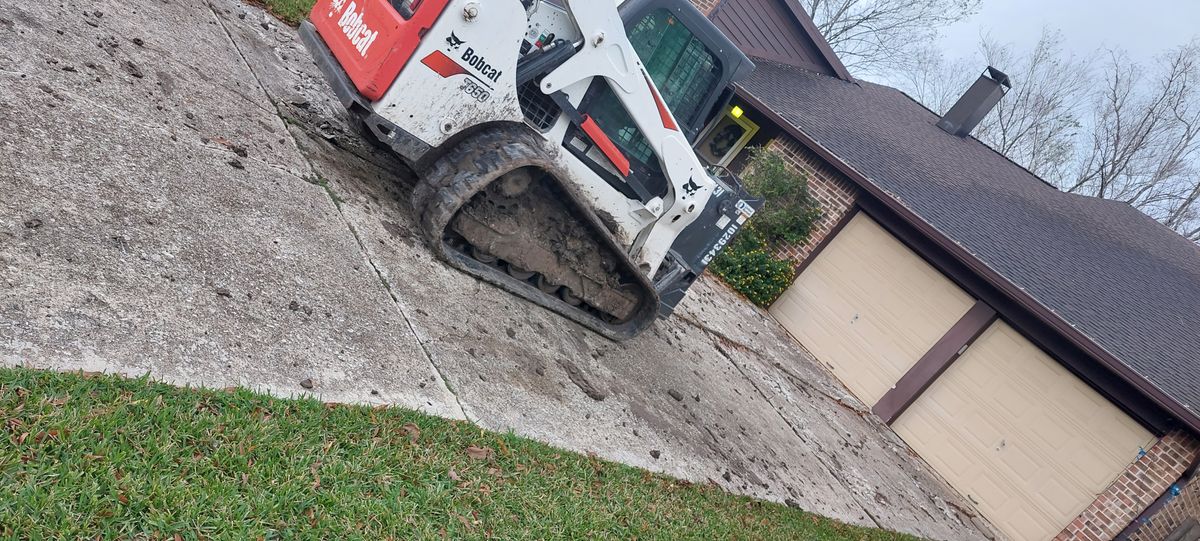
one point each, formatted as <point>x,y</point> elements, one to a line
<point>245,61</point>
<point>363,249</point>
<point>820,456</point>
<point>387,285</point>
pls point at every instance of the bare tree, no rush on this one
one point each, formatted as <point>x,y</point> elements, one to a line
<point>1106,126</point>
<point>935,81</point>
<point>1036,124</point>
<point>1144,146</point>
<point>872,36</point>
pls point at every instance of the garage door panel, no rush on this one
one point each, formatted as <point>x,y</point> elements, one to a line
<point>958,458</point>
<point>981,378</point>
<point>990,489</point>
<point>1053,490</point>
<point>985,432</point>
<point>1089,465</point>
<point>1053,438</point>
<point>869,308</point>
<point>1026,524</point>
<point>1010,397</point>
<point>839,333</point>
<point>1036,453</point>
<point>1021,463</point>
<point>1060,500</point>
<point>948,403</point>
<point>833,316</point>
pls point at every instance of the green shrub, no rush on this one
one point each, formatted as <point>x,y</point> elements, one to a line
<point>790,211</point>
<point>749,263</point>
<point>749,266</point>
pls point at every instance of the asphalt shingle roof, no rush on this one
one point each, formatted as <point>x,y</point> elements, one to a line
<point>1126,282</point>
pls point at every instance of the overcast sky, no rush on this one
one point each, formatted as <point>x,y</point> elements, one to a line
<point>1144,28</point>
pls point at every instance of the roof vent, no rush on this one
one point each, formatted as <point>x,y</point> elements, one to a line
<point>973,106</point>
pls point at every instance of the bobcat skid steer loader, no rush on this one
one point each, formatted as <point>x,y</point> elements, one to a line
<point>553,140</point>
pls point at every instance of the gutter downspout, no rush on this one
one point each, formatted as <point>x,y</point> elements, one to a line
<point>1172,491</point>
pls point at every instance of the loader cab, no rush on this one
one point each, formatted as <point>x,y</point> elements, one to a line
<point>693,65</point>
<point>690,60</point>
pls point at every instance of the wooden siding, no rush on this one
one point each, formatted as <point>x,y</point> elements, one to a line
<point>770,30</point>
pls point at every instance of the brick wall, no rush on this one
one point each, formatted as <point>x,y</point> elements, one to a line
<point>705,6</point>
<point>832,190</point>
<point>1180,508</point>
<point>1134,491</point>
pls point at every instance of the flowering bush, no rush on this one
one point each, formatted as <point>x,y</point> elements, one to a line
<point>749,263</point>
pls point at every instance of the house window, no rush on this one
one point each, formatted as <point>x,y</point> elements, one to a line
<point>726,137</point>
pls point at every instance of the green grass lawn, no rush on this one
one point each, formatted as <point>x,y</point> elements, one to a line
<point>87,456</point>
<point>289,11</point>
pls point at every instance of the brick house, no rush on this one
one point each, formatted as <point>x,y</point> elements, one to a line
<point>1038,349</point>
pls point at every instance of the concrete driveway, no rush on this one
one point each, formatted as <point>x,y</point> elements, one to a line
<point>180,196</point>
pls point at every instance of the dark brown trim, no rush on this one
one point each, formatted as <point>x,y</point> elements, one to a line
<point>810,28</point>
<point>837,228</point>
<point>1089,360</point>
<point>761,54</point>
<point>931,366</point>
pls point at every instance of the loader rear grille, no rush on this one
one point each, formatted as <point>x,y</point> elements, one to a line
<point>540,111</point>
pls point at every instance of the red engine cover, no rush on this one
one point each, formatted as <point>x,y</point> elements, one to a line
<point>371,40</point>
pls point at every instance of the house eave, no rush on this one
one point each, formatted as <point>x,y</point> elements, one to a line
<point>1182,413</point>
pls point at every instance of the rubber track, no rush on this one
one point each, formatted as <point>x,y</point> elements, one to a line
<point>451,182</point>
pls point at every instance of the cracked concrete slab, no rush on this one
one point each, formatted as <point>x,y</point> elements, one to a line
<point>711,305</point>
<point>148,250</point>
<point>127,248</point>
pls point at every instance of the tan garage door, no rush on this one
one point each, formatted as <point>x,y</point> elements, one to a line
<point>869,308</point>
<point>1029,443</point>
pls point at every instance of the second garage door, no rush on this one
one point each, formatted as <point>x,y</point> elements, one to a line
<point>869,308</point>
<point>1029,443</point>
